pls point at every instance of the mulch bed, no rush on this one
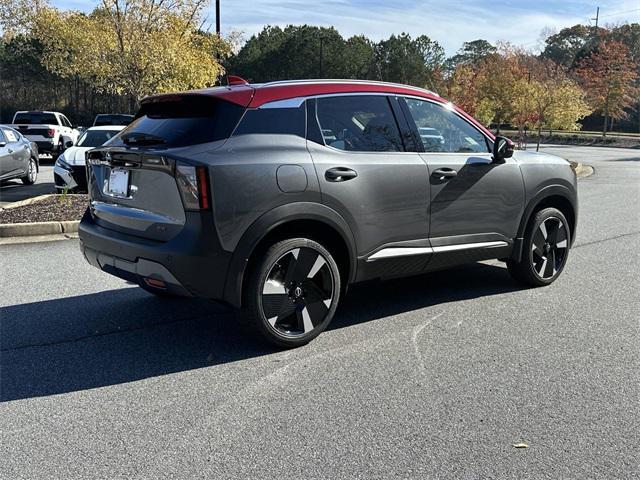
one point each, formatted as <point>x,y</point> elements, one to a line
<point>58,208</point>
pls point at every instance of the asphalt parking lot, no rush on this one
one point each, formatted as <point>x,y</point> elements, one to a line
<point>14,190</point>
<point>435,376</point>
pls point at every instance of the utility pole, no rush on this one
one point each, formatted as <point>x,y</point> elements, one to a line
<point>321,52</point>
<point>597,16</point>
<point>218,18</point>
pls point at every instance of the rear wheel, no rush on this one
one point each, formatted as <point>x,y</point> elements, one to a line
<point>545,249</point>
<point>32,173</point>
<point>55,153</point>
<point>292,292</point>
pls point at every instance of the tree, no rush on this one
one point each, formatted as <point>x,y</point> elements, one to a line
<point>570,44</point>
<point>470,54</point>
<point>416,61</point>
<point>558,103</point>
<point>608,77</point>
<point>132,47</point>
<point>300,51</point>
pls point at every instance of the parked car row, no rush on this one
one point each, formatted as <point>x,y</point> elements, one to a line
<point>69,172</point>
<point>46,132</point>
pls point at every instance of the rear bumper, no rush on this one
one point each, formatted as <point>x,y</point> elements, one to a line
<point>191,264</point>
<point>44,145</point>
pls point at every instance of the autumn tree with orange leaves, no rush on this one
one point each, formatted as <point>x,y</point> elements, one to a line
<point>607,76</point>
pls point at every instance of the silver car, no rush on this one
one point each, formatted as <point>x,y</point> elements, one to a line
<point>18,156</point>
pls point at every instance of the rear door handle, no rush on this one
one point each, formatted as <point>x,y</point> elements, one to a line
<point>443,173</point>
<point>340,174</point>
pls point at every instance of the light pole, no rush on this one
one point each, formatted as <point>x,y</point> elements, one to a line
<point>218,18</point>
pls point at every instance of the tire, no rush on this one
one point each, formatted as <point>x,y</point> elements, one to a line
<point>57,152</point>
<point>32,172</point>
<point>292,292</point>
<point>545,249</point>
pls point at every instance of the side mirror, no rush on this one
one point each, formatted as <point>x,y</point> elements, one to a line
<point>68,144</point>
<point>3,144</point>
<point>502,149</point>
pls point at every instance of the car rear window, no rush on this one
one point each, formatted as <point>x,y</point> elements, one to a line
<point>102,120</point>
<point>36,118</point>
<point>180,122</point>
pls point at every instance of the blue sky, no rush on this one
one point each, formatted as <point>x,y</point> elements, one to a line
<point>450,23</point>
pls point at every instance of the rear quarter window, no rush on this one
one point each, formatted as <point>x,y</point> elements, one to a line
<point>273,121</point>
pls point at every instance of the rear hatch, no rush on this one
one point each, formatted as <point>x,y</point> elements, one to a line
<point>142,182</point>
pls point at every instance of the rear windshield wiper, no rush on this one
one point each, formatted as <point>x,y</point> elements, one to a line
<point>142,139</point>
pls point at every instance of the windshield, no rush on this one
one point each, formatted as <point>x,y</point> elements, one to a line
<point>36,118</point>
<point>95,138</point>
<point>188,120</point>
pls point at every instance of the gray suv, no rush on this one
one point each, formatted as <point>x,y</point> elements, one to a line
<point>275,197</point>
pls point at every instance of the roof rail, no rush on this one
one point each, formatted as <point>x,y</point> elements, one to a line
<point>339,80</point>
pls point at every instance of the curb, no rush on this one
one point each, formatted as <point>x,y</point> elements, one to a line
<point>37,228</point>
<point>28,201</point>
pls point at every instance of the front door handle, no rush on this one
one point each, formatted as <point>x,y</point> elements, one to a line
<point>443,173</point>
<point>340,174</point>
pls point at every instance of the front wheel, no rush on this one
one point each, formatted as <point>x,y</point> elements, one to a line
<point>545,249</point>
<point>32,173</point>
<point>292,292</point>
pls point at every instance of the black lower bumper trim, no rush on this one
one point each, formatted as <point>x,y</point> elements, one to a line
<point>136,271</point>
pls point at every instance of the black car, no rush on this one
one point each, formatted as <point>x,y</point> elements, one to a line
<point>18,156</point>
<point>275,197</point>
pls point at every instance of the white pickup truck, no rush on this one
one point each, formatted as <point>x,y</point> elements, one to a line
<point>51,131</point>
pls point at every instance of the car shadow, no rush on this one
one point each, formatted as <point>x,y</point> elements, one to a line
<point>15,191</point>
<point>112,337</point>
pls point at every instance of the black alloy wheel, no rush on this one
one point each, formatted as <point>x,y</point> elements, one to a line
<point>549,247</point>
<point>294,292</point>
<point>545,249</point>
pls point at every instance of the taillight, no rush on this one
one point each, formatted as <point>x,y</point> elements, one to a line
<point>51,133</point>
<point>194,186</point>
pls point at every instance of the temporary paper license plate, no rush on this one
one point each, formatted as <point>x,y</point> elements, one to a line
<point>118,182</point>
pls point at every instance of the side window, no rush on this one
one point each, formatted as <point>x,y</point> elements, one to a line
<point>2,138</point>
<point>65,121</point>
<point>359,123</point>
<point>442,130</point>
<point>273,121</point>
<point>9,135</point>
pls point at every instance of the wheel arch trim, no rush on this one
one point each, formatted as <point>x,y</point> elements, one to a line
<point>267,223</point>
<point>546,192</point>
